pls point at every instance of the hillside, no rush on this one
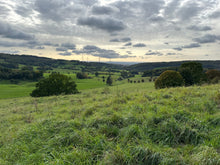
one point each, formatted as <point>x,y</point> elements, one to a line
<point>141,67</point>
<point>12,61</point>
<point>125,124</point>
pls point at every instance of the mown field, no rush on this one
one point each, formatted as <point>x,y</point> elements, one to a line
<point>24,88</point>
<point>9,90</point>
<point>122,124</point>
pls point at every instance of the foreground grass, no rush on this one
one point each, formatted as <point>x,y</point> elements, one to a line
<point>125,124</point>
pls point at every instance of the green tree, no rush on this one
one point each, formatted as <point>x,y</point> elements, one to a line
<point>126,74</point>
<point>213,76</point>
<point>96,74</point>
<point>192,73</point>
<point>109,80</point>
<point>55,84</point>
<point>169,78</point>
<point>81,75</point>
<point>187,76</point>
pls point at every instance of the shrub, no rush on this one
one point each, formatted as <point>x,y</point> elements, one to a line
<point>109,80</point>
<point>187,76</point>
<point>81,75</point>
<point>169,79</point>
<point>192,73</point>
<point>213,76</point>
<point>55,84</point>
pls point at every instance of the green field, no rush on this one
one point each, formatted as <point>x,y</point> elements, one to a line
<point>13,90</point>
<point>122,124</point>
<point>23,89</point>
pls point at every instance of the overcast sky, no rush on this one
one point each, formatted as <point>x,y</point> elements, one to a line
<point>116,30</point>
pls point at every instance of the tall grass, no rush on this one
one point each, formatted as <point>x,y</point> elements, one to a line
<point>125,124</point>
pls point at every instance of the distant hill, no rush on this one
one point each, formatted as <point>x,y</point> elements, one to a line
<point>12,61</point>
<point>141,67</point>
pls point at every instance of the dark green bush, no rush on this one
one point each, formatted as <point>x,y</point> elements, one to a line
<point>55,84</point>
<point>213,76</point>
<point>109,80</point>
<point>169,79</point>
<point>192,73</point>
<point>81,75</point>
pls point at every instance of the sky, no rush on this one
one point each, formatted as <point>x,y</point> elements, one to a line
<point>112,30</point>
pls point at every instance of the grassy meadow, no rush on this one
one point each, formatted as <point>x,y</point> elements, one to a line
<point>24,88</point>
<point>121,124</point>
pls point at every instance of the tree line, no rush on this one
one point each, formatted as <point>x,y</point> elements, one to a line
<point>188,74</point>
<point>23,74</point>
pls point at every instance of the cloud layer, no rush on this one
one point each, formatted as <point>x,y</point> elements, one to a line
<point>112,28</point>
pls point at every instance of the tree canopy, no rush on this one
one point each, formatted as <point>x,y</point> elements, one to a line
<point>169,78</point>
<point>109,80</point>
<point>192,73</point>
<point>55,84</point>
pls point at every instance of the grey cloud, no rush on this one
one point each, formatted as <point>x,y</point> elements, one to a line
<point>156,19</point>
<point>104,23</point>
<point>177,28</point>
<point>9,44</point>
<point>102,10</point>
<point>182,11</point>
<point>199,28</point>
<point>192,45</point>
<point>91,49</point>
<point>139,45</point>
<point>4,10</point>
<point>114,40</point>
<point>137,8</point>
<point>171,8</point>
<point>77,52</point>
<point>151,7</point>
<point>189,10</point>
<point>10,51</point>
<point>61,49</point>
<point>208,38</point>
<point>23,11</point>
<point>69,46</point>
<point>61,10</point>
<point>50,44</point>
<point>178,48</point>
<point>65,53</point>
<point>98,52</point>
<point>171,54</point>
<point>30,44</point>
<point>49,8</point>
<point>86,3</point>
<point>150,53</point>
<point>128,44</point>
<point>126,39</point>
<point>40,47</point>
<point>8,31</point>
<point>215,15</point>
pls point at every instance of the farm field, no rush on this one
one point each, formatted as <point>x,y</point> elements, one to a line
<point>121,124</point>
<point>16,90</point>
<point>9,90</point>
<point>23,89</point>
